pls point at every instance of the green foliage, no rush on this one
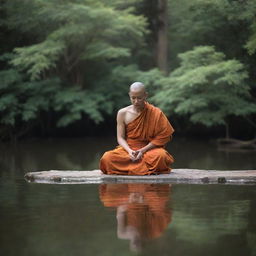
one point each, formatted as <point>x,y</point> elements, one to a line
<point>76,31</point>
<point>206,88</point>
<point>228,25</point>
<point>37,58</point>
<point>75,58</point>
<point>128,74</point>
<point>73,102</point>
<point>50,71</point>
<point>251,43</point>
<point>23,101</point>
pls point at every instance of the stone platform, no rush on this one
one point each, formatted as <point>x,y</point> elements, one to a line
<point>188,176</point>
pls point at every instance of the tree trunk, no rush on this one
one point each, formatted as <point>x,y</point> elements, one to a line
<point>162,36</point>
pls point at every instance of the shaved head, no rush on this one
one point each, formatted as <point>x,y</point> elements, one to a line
<point>137,86</point>
<point>138,95</point>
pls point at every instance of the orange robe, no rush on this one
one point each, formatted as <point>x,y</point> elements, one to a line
<point>151,216</point>
<point>150,126</point>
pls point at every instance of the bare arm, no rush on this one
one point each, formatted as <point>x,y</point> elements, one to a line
<point>141,151</point>
<point>121,227</point>
<point>124,231</point>
<point>147,147</point>
<point>121,134</point>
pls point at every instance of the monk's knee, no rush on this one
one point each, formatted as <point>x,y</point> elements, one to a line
<point>159,152</point>
<point>104,162</point>
<point>106,156</point>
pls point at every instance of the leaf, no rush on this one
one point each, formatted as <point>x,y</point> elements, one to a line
<point>206,87</point>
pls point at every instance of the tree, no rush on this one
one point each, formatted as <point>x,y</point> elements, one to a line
<point>76,32</point>
<point>162,36</point>
<point>87,52</point>
<point>156,52</point>
<point>206,88</point>
<point>228,25</point>
<point>68,48</point>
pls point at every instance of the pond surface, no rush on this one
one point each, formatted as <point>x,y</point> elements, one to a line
<point>123,219</point>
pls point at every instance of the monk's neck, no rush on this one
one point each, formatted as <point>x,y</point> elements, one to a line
<point>139,109</point>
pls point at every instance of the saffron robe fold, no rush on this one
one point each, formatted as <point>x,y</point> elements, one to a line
<point>147,206</point>
<point>150,126</point>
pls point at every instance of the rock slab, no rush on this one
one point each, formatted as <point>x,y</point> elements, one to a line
<point>188,176</point>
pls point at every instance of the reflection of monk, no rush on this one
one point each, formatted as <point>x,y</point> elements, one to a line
<point>142,211</point>
<point>142,132</point>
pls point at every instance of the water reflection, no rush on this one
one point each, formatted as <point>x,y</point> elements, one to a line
<point>142,210</point>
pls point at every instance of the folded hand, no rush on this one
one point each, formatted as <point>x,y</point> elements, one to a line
<point>133,155</point>
<point>139,154</point>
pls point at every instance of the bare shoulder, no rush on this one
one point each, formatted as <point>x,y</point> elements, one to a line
<point>123,111</point>
<point>121,114</point>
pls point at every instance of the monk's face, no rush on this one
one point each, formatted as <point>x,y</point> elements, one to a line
<point>138,98</point>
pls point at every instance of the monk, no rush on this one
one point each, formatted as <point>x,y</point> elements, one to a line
<point>142,132</point>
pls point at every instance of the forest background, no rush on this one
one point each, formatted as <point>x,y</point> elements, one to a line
<point>66,65</point>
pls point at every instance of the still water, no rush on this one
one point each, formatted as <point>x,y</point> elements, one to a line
<point>123,219</point>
